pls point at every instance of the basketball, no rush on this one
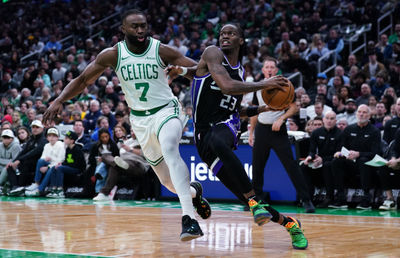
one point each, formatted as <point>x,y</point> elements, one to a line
<point>278,99</point>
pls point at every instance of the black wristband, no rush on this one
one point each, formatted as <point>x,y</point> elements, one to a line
<point>252,111</point>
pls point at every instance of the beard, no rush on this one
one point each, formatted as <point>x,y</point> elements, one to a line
<point>134,40</point>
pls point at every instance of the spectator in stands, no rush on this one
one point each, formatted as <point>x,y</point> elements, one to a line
<point>103,147</point>
<point>324,142</point>
<point>14,97</point>
<point>53,45</point>
<point>321,78</point>
<point>58,72</point>
<point>91,117</point>
<point>53,154</point>
<point>363,141</point>
<point>384,48</point>
<point>106,111</point>
<point>377,118</point>
<point>304,50</point>
<point>338,105</point>
<point>16,120</point>
<point>130,162</point>
<point>179,46</point>
<point>365,95</point>
<point>305,101</point>
<point>8,83</point>
<point>284,41</point>
<point>74,163</point>
<point>23,135</point>
<point>392,125</point>
<point>334,42</point>
<point>319,108</point>
<point>373,67</point>
<point>83,139</point>
<point>339,71</point>
<point>396,35</point>
<point>349,114</point>
<point>379,85</point>
<point>81,62</point>
<point>102,123</point>
<point>189,128</point>
<point>20,169</point>
<point>351,61</point>
<point>344,93</point>
<point>390,91</point>
<point>9,150</point>
<point>44,78</point>
<point>317,49</point>
<point>389,173</point>
<point>121,121</point>
<point>110,95</point>
<point>372,101</point>
<point>356,81</point>
<point>25,95</point>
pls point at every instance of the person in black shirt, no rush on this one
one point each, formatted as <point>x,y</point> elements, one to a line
<point>389,175</point>
<point>216,96</point>
<point>324,142</point>
<point>21,170</point>
<point>74,163</point>
<point>363,141</point>
<point>392,125</point>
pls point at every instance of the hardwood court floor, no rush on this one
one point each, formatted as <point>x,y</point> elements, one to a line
<point>78,228</point>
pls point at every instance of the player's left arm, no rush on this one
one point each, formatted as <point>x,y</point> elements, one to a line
<point>177,64</point>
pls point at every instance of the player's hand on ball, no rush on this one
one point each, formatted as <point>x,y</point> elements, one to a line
<point>278,82</point>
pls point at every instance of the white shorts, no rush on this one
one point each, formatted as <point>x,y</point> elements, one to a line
<point>147,129</point>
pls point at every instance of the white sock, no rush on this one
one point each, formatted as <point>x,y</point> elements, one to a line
<point>169,137</point>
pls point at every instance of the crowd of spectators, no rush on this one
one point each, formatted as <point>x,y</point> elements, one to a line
<point>297,33</point>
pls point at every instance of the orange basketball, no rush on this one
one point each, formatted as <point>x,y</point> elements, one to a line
<point>278,99</point>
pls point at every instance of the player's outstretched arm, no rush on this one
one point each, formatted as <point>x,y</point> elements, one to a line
<point>107,58</point>
<point>178,64</point>
<point>213,58</point>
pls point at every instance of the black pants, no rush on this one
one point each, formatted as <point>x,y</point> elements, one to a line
<point>347,168</point>
<point>26,176</point>
<point>265,140</point>
<point>313,177</point>
<point>390,179</point>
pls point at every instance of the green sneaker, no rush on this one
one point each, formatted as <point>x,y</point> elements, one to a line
<point>299,241</point>
<point>260,214</point>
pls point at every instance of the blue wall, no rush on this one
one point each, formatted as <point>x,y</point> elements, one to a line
<point>276,180</point>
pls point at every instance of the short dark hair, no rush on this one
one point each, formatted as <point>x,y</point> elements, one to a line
<point>130,12</point>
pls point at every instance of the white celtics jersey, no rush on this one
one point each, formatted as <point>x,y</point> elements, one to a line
<point>142,77</point>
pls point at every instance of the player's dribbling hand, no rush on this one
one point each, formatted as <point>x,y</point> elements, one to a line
<point>277,82</point>
<point>52,112</point>
<point>172,72</point>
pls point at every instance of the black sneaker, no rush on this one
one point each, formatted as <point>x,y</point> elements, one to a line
<point>325,203</point>
<point>309,207</point>
<point>364,205</point>
<point>338,205</point>
<point>199,202</point>
<point>17,191</point>
<point>190,229</point>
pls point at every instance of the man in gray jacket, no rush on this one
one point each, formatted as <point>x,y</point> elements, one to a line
<point>9,150</point>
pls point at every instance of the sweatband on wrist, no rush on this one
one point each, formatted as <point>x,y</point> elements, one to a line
<point>184,71</point>
<point>252,111</point>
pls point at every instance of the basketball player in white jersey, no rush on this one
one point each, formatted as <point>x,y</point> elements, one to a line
<point>156,118</point>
